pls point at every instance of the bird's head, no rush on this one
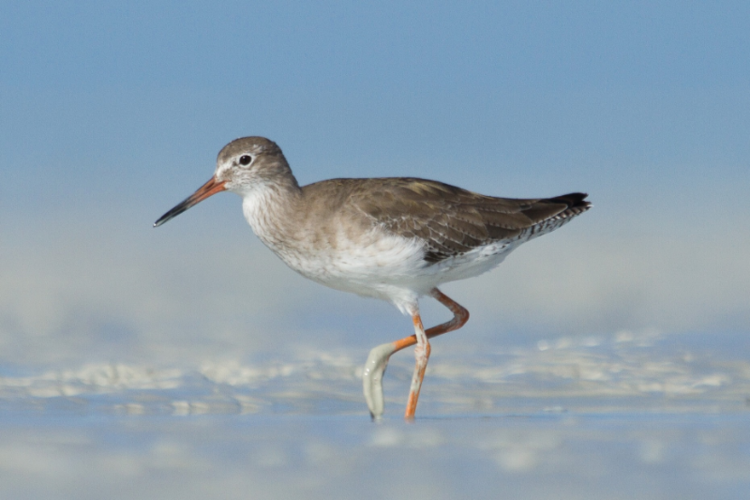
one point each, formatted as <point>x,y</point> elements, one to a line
<point>242,165</point>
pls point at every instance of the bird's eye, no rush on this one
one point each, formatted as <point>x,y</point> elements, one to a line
<point>245,159</point>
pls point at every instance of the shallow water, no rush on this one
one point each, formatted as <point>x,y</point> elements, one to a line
<point>626,416</point>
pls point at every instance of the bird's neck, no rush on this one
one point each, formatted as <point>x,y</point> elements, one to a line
<point>272,208</point>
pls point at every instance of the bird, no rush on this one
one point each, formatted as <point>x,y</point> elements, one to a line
<point>391,238</point>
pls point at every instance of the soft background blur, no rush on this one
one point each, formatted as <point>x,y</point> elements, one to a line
<point>112,112</point>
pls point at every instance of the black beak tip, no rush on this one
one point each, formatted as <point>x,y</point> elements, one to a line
<point>176,210</point>
<point>161,220</point>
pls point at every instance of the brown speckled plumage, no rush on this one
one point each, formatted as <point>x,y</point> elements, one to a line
<point>449,219</point>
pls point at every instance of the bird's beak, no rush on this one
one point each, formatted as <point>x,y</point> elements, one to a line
<point>210,188</point>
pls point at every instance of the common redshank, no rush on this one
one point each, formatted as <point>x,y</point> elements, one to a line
<point>394,238</point>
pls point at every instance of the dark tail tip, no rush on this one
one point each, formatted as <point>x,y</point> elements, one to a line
<point>574,200</point>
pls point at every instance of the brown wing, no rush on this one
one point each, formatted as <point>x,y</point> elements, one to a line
<point>453,220</point>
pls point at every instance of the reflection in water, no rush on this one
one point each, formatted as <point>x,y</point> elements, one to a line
<point>625,372</point>
<point>630,416</point>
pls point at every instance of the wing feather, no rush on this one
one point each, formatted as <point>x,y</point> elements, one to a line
<point>452,220</point>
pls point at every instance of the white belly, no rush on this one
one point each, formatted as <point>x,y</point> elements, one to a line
<point>387,267</point>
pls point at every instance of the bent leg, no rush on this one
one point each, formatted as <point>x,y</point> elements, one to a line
<point>377,361</point>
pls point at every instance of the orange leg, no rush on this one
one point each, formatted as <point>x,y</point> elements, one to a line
<point>422,355</point>
<point>378,359</point>
<point>460,317</point>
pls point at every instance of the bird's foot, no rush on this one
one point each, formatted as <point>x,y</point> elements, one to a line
<point>372,377</point>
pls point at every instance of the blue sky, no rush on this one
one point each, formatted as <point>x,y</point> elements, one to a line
<point>113,112</point>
